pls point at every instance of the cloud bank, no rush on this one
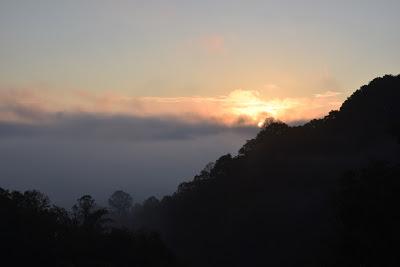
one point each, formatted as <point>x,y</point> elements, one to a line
<point>72,143</point>
<point>118,128</point>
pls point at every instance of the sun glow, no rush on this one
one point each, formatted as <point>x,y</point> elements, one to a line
<point>244,107</point>
<point>260,124</point>
<point>249,104</point>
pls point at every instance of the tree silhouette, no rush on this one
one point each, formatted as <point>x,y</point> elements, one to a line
<point>274,203</point>
<point>120,202</point>
<point>88,215</point>
<point>35,233</point>
<point>294,196</point>
<point>369,217</point>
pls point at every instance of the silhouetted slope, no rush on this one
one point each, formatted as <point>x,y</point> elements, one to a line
<point>35,233</point>
<point>367,209</point>
<point>273,205</point>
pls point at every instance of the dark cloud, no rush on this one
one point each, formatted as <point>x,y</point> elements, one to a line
<point>123,128</point>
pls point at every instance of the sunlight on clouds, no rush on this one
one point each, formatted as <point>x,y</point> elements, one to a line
<point>246,107</point>
<point>249,103</point>
<point>327,94</point>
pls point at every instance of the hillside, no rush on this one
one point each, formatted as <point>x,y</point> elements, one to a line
<point>279,201</point>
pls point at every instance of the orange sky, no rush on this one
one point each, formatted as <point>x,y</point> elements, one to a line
<point>248,107</point>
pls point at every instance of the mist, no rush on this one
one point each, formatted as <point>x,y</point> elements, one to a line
<point>91,154</point>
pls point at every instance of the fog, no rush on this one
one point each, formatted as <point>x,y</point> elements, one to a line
<point>80,154</point>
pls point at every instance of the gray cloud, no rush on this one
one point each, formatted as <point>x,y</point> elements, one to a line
<point>118,128</point>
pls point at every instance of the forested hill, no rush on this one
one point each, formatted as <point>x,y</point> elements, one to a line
<point>326,193</point>
<point>296,196</point>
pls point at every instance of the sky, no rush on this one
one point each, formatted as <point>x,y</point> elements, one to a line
<point>100,95</point>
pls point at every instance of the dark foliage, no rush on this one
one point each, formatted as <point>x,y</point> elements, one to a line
<point>34,233</point>
<point>369,216</point>
<point>120,204</point>
<point>275,203</point>
<point>311,195</point>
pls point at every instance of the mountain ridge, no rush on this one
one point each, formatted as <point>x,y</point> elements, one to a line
<point>247,204</point>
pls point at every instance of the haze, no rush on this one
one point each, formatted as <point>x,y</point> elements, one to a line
<point>101,95</point>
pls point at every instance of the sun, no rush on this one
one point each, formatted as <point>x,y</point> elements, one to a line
<point>250,104</point>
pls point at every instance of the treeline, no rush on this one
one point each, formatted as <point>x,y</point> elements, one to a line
<point>35,233</point>
<point>322,194</point>
<point>368,217</point>
<point>283,201</point>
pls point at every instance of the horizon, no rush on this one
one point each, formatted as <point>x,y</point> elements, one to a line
<point>118,130</point>
<point>186,133</point>
<point>141,95</point>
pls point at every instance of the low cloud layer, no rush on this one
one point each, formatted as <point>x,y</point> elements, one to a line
<point>67,144</point>
<point>118,128</point>
<point>67,155</point>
